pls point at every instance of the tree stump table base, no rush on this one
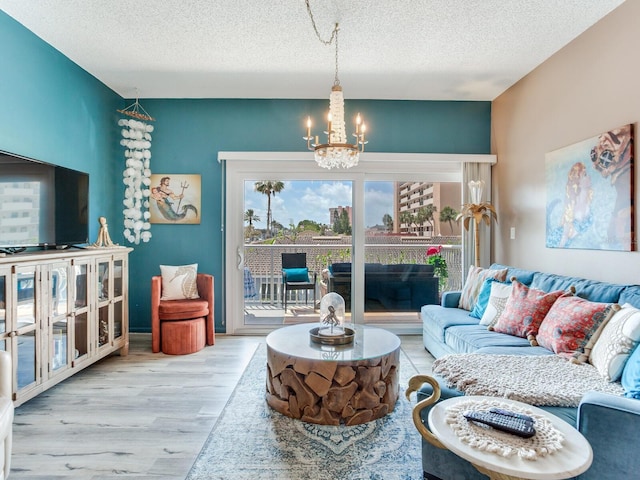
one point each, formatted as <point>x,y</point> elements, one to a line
<point>332,392</point>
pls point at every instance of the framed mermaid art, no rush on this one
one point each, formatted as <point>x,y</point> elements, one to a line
<point>175,199</point>
<point>590,193</point>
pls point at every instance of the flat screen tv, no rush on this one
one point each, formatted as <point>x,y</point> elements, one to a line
<point>41,204</point>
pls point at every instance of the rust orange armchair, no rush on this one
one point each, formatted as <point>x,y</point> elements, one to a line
<point>180,327</point>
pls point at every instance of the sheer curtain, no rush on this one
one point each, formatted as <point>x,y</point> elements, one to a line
<point>476,171</point>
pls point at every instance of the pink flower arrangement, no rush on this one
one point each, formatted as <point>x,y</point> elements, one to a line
<point>440,265</point>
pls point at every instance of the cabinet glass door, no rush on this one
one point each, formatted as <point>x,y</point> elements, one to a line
<point>80,307</point>
<point>25,328</point>
<point>5,278</point>
<point>59,304</point>
<point>117,298</point>
<point>104,275</point>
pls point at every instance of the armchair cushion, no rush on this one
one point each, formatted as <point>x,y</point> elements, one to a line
<point>179,282</point>
<point>296,274</point>
<point>183,309</point>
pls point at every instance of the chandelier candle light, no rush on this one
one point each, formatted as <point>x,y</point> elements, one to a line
<point>336,152</point>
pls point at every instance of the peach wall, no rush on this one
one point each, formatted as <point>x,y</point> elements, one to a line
<point>588,87</point>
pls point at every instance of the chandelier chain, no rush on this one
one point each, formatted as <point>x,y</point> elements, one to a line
<point>334,35</point>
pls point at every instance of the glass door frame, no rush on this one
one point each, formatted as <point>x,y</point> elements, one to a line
<point>241,166</point>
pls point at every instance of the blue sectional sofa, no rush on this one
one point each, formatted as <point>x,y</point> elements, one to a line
<point>610,423</point>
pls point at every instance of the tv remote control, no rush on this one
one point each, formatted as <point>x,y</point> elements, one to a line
<point>505,423</point>
<point>509,413</point>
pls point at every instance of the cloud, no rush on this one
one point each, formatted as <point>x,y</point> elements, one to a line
<point>311,200</point>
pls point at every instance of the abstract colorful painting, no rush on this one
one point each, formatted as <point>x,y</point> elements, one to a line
<point>590,193</point>
<point>175,199</point>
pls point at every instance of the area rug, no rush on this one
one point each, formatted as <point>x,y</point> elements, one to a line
<point>251,441</point>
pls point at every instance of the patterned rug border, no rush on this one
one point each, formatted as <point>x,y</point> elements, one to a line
<point>250,440</point>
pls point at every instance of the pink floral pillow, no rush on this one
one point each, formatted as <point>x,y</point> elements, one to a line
<point>572,326</point>
<point>524,312</point>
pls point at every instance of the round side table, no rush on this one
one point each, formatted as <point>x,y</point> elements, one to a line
<point>573,459</point>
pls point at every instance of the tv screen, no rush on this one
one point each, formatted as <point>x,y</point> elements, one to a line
<point>41,204</point>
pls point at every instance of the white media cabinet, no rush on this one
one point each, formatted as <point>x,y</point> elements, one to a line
<point>61,311</point>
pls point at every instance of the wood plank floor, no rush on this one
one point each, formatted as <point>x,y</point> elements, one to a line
<point>143,416</point>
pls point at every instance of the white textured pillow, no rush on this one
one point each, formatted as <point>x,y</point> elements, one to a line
<point>500,293</point>
<point>616,342</point>
<point>179,283</point>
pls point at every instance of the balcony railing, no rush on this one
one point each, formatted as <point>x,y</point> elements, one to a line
<point>265,268</point>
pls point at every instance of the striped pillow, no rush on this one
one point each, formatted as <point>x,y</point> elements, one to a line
<point>475,280</point>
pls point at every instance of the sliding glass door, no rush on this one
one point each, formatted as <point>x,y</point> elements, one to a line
<point>350,227</point>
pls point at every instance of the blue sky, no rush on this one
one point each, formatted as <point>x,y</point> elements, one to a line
<point>311,200</point>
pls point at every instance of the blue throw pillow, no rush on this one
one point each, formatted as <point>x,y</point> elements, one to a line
<point>296,274</point>
<point>483,298</point>
<point>631,375</point>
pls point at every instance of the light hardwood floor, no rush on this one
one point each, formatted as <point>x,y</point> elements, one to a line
<point>143,416</point>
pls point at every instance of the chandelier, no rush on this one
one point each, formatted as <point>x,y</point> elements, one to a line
<point>336,152</point>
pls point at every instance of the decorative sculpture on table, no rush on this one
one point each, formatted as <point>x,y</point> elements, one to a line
<point>479,211</point>
<point>104,240</point>
<point>332,330</point>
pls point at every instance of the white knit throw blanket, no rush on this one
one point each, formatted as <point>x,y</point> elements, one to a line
<point>546,380</point>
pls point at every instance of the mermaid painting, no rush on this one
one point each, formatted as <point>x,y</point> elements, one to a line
<point>172,207</point>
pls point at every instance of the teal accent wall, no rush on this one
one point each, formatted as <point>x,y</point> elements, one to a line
<point>189,134</point>
<point>55,111</point>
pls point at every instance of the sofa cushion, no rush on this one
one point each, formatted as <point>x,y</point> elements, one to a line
<point>550,282</point>
<point>521,350</point>
<point>469,338</point>
<point>571,324</point>
<point>436,319</point>
<point>524,311</point>
<point>631,375</point>
<point>631,295</point>
<point>616,342</point>
<point>523,276</point>
<point>475,279</point>
<point>500,293</point>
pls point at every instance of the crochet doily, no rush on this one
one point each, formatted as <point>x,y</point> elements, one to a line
<point>547,439</point>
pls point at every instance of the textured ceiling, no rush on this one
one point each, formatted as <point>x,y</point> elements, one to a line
<point>389,49</point>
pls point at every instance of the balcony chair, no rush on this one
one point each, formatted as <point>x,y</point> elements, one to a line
<point>295,276</point>
<point>6,414</point>
<point>180,327</point>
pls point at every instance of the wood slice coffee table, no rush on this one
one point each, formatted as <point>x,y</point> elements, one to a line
<point>332,385</point>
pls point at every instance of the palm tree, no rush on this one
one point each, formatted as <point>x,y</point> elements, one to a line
<point>448,214</point>
<point>387,221</point>
<point>250,217</point>
<point>406,217</point>
<point>268,188</point>
<point>425,214</point>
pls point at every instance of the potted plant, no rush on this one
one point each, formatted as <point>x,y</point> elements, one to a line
<point>435,258</point>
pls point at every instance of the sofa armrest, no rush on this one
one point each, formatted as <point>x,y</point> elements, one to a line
<point>450,299</point>
<point>611,425</point>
